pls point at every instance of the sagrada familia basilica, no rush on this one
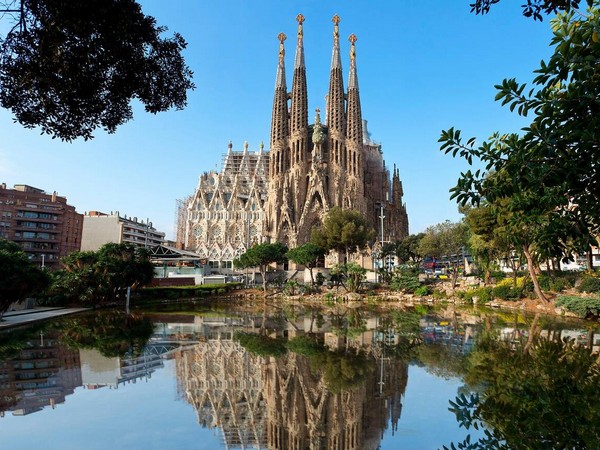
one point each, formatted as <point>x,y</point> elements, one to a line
<point>281,194</point>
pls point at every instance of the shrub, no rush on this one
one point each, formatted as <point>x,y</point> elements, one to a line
<point>319,279</point>
<point>329,299</point>
<point>405,283</point>
<point>439,294</point>
<point>290,287</point>
<point>505,292</point>
<point>589,284</point>
<point>586,308</point>
<point>259,344</point>
<point>484,295</point>
<point>421,291</point>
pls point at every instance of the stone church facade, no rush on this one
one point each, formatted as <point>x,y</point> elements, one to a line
<point>315,167</point>
<point>280,195</point>
<point>225,215</point>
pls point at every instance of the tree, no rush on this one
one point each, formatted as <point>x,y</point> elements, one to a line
<point>261,255</point>
<point>352,273</point>
<point>490,240</point>
<point>407,250</point>
<point>446,240</point>
<point>19,277</point>
<point>344,230</point>
<point>533,8</point>
<point>102,276</point>
<point>72,66</point>
<point>550,175</point>
<point>307,255</point>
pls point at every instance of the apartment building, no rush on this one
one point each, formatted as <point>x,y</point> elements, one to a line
<point>44,225</point>
<point>100,228</point>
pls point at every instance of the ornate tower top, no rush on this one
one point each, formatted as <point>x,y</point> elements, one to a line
<point>353,81</point>
<point>299,95</point>
<point>300,45</point>
<point>335,97</point>
<point>318,136</point>
<point>280,79</point>
<point>336,61</point>
<point>336,31</point>
<point>354,125</point>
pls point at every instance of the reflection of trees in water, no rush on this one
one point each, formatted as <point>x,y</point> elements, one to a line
<point>534,393</point>
<point>112,333</point>
<point>312,397</point>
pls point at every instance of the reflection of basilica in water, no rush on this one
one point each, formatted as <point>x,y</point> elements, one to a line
<point>284,402</point>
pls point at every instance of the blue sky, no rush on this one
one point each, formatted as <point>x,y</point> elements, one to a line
<point>421,69</point>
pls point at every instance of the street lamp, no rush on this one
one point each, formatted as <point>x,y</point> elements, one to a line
<point>381,217</point>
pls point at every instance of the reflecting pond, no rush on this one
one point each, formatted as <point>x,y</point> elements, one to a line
<point>294,378</point>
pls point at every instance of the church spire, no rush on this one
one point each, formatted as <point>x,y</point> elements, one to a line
<point>335,97</point>
<point>299,107</point>
<point>279,119</point>
<point>354,131</point>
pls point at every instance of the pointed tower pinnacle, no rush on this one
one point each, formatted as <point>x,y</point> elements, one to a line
<point>354,131</point>
<point>279,119</point>
<point>336,116</point>
<point>280,79</point>
<point>298,155</point>
<point>300,47</point>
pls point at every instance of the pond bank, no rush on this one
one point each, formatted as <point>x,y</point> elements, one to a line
<point>386,300</point>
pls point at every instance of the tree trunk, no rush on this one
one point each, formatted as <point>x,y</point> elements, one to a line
<point>487,277</point>
<point>454,277</point>
<point>590,260</point>
<point>533,331</point>
<point>312,279</point>
<point>263,274</point>
<point>532,273</point>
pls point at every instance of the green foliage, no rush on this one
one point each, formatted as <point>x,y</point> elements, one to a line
<point>343,370</point>
<point>541,178</point>
<point>305,346</point>
<point>589,284</point>
<point>330,299</point>
<point>555,283</point>
<point>422,291</point>
<point>407,250</point>
<point>541,399</point>
<point>404,283</point>
<point>261,255</point>
<point>290,287</point>
<point>444,239</point>
<point>344,230</point>
<point>13,340</point>
<point>259,344</point>
<point>352,274</point>
<point>484,294</point>
<point>439,294</point>
<point>441,360</point>
<point>19,277</point>
<point>102,276</point>
<point>319,279</point>
<point>175,292</point>
<point>533,8</point>
<point>112,333</point>
<point>506,292</point>
<point>584,307</point>
<point>307,255</point>
<point>70,67</point>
